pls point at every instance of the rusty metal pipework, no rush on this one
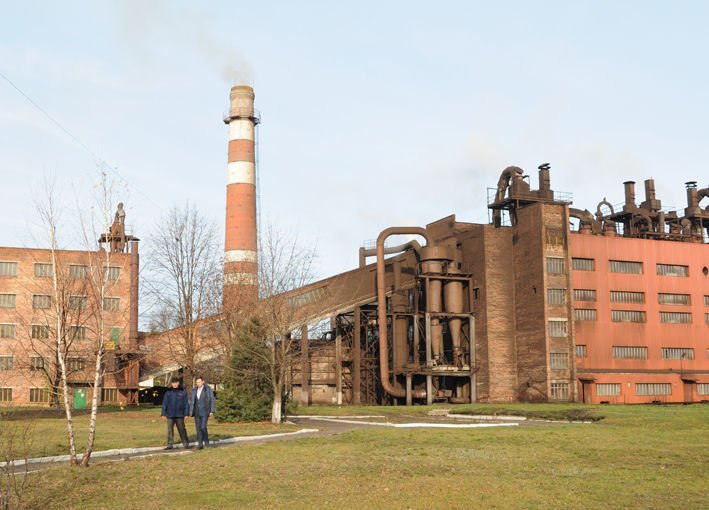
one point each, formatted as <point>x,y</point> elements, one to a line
<point>382,305</point>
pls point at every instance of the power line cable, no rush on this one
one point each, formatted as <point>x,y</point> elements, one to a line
<point>80,143</point>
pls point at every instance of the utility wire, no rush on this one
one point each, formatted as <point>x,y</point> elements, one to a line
<point>80,143</point>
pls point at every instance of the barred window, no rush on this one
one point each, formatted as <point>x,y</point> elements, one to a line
<point>675,318</point>
<point>8,268</point>
<point>580,351</point>
<point>38,395</point>
<point>623,266</point>
<point>582,264</point>
<point>645,389</point>
<point>43,270</point>
<point>40,331</point>
<point>109,394</point>
<point>559,360</point>
<point>41,301</point>
<point>78,302</point>
<point>674,299</point>
<point>677,353</point>
<point>557,328</point>
<point>111,304</point>
<point>75,363</point>
<point>584,295</point>
<point>111,273</point>
<point>672,270</point>
<point>77,332</point>
<point>555,265</point>
<point>556,296</point>
<point>38,363</point>
<point>627,316</point>
<point>608,389</point>
<point>309,297</point>
<point>7,300</point>
<point>7,362</point>
<point>585,315</point>
<point>622,296</point>
<point>629,352</point>
<point>703,389</point>
<point>559,391</point>
<point>78,272</point>
<point>5,394</point>
<point>7,331</point>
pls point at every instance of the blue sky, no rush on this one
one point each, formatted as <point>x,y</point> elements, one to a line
<point>374,113</point>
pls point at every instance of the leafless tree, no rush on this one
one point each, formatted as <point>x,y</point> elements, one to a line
<point>17,442</point>
<point>185,286</point>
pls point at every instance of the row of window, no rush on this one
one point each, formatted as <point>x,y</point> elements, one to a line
<point>644,389</point>
<point>40,301</point>
<point>634,352</point>
<point>621,266</point>
<point>43,332</point>
<point>558,297</point>
<point>39,395</point>
<point>73,363</point>
<point>45,270</point>
<point>589,314</point>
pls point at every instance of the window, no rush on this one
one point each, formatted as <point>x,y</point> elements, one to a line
<point>78,302</point>
<point>677,353</point>
<point>78,272</point>
<point>476,294</point>
<point>41,301</point>
<point>77,332</point>
<point>8,268</point>
<point>608,389</point>
<point>584,295</point>
<point>645,389</point>
<point>622,266</point>
<point>706,318</point>
<point>706,300</point>
<point>670,270</point>
<point>622,296</point>
<point>627,316</point>
<point>40,331</point>
<point>43,270</point>
<point>559,360</point>
<point>629,352</point>
<point>674,299</point>
<point>585,315</point>
<point>38,395</point>
<point>557,328</point>
<point>703,389</point>
<point>7,300</point>
<point>560,391</point>
<point>7,362</point>
<point>7,331</point>
<point>109,394</point>
<point>556,296</point>
<point>111,273</point>
<point>555,265</point>
<point>115,341</point>
<point>675,318</point>
<point>309,297</point>
<point>580,351</point>
<point>75,363</point>
<point>38,363</point>
<point>111,304</point>
<point>582,264</point>
<point>5,394</point>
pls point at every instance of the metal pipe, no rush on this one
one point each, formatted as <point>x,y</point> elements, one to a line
<point>364,253</point>
<point>382,305</point>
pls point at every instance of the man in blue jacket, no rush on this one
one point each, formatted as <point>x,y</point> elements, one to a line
<point>201,407</point>
<point>175,408</point>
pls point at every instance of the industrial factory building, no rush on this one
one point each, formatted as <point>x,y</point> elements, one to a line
<point>522,309</point>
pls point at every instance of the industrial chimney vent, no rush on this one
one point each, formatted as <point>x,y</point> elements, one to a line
<point>691,184</point>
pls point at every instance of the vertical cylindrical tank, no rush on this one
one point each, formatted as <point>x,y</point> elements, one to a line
<point>629,192</point>
<point>240,255</point>
<point>453,296</point>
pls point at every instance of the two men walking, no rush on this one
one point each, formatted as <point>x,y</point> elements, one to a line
<point>176,407</point>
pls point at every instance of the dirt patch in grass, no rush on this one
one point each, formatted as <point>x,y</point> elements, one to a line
<point>543,414</point>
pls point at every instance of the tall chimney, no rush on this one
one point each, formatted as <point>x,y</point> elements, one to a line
<point>240,256</point>
<point>629,192</point>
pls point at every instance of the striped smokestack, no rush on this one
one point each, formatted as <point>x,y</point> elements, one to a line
<point>240,259</point>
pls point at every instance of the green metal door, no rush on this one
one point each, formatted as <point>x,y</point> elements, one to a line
<point>79,398</point>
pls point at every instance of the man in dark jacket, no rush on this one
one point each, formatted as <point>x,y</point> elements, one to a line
<point>175,408</point>
<point>201,407</point>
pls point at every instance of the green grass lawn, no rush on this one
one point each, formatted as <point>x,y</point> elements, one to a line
<point>637,457</point>
<point>132,427</point>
